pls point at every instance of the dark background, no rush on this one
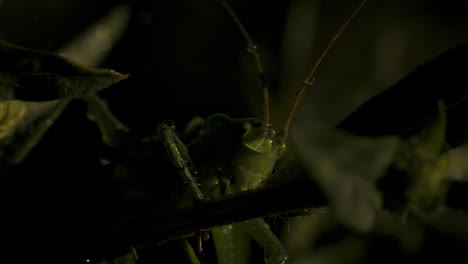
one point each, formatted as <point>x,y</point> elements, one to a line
<point>186,59</point>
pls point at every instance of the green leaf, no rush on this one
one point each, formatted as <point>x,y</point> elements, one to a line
<point>111,128</point>
<point>347,168</point>
<point>39,76</point>
<point>22,125</point>
<point>115,134</point>
<point>12,114</point>
<point>421,157</point>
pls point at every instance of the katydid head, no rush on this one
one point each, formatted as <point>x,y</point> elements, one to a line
<point>257,156</point>
<point>242,152</point>
<point>245,151</point>
<point>262,140</point>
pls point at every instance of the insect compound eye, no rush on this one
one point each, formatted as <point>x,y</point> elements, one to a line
<point>250,123</point>
<point>168,124</point>
<point>247,126</point>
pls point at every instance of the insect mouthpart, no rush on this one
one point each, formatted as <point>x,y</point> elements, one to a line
<point>262,140</point>
<point>258,139</point>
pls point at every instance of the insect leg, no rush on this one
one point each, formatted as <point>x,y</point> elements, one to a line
<point>262,234</point>
<point>231,244</point>
<point>179,155</point>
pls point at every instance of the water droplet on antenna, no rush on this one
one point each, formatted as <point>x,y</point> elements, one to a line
<point>252,48</point>
<point>310,82</point>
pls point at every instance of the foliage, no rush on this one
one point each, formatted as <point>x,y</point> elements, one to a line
<point>352,169</point>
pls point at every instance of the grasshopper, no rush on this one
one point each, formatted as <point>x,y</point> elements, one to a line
<point>234,155</point>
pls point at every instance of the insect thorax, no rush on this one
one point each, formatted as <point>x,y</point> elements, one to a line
<point>233,155</point>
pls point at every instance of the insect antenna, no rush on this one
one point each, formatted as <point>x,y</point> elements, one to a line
<point>252,48</point>
<point>309,80</point>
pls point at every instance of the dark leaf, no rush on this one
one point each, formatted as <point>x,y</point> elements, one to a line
<point>124,144</point>
<point>39,76</point>
<point>408,104</point>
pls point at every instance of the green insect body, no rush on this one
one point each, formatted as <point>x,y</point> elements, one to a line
<point>233,155</point>
<point>244,158</point>
<point>230,155</point>
<point>179,155</point>
<point>240,158</point>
